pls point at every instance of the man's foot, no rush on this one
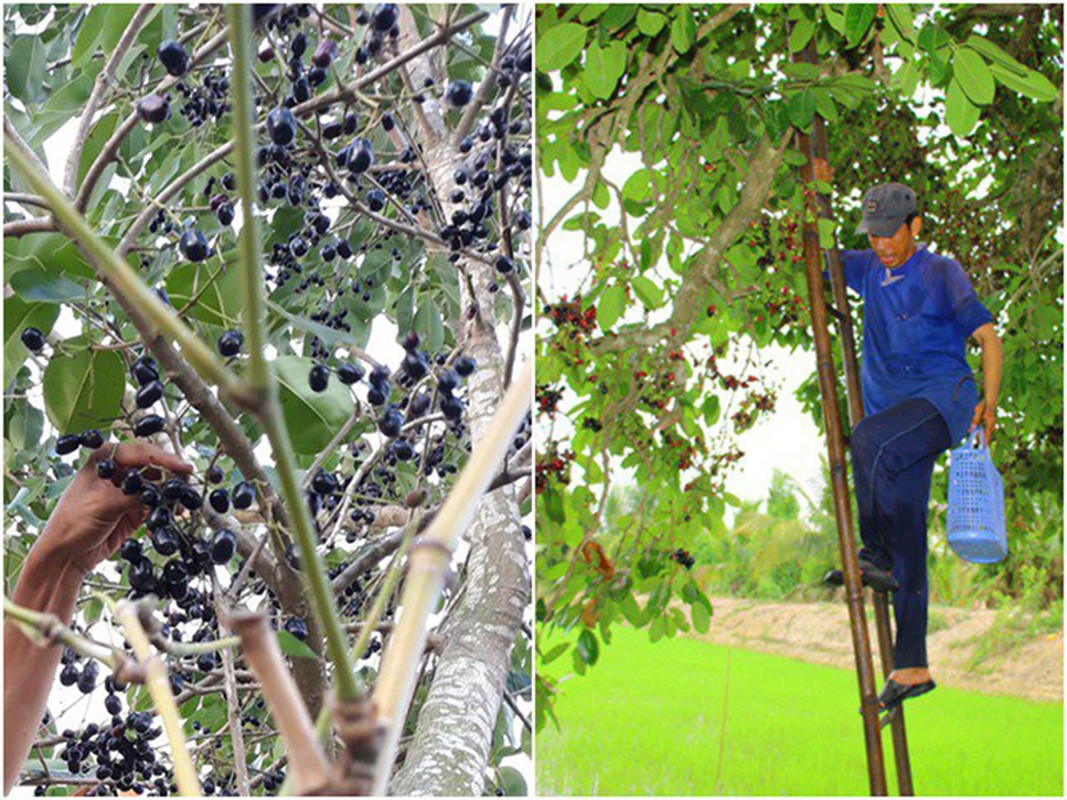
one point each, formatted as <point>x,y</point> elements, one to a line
<point>878,579</point>
<point>896,693</point>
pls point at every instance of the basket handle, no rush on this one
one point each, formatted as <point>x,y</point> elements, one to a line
<point>977,439</point>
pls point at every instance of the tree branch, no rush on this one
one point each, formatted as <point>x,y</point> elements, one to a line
<point>104,79</point>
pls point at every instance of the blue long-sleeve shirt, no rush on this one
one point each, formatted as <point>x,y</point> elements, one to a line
<point>916,323</point>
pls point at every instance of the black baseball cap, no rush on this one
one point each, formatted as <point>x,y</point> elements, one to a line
<point>885,208</point>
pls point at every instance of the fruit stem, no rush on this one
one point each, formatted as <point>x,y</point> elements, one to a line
<point>159,688</point>
<point>426,568</point>
<point>115,272</point>
<point>244,137</point>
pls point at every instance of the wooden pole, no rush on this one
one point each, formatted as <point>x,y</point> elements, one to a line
<point>847,338</point>
<point>861,643</point>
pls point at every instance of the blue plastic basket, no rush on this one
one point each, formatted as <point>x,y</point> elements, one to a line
<point>976,529</point>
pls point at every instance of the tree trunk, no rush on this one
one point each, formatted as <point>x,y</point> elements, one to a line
<point>450,749</point>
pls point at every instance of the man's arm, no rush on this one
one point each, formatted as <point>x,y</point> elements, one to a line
<point>49,586</point>
<point>91,521</point>
<point>985,413</point>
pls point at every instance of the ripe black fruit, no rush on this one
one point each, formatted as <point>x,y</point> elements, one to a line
<point>448,382</point>
<point>389,423</point>
<point>191,498</point>
<point>403,450</point>
<point>281,126</point>
<point>193,245</point>
<point>113,704</point>
<point>223,545</point>
<point>68,444</point>
<point>411,341</point>
<point>451,407</point>
<point>225,214</point>
<point>105,468</point>
<point>164,541</point>
<point>349,374</point>
<point>361,157</point>
<point>504,264</point>
<point>244,494</point>
<point>324,482</point>
<point>148,425</point>
<point>230,344</point>
<point>173,57</point>
<point>154,108</point>
<point>324,53</point>
<point>33,338</point>
<point>319,378</point>
<point>465,365</point>
<point>384,17</point>
<point>148,394</point>
<point>219,500</point>
<point>458,93</point>
<point>144,370</point>
<point>92,439</point>
<point>298,627</point>
<point>215,474</point>
<point>131,481</point>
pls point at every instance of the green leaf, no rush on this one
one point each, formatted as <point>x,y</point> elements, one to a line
<point>84,390</point>
<point>974,76</point>
<point>647,292</point>
<point>292,646</point>
<point>683,30</point>
<point>801,70</point>
<point>995,54</point>
<point>511,782</point>
<point>610,307</point>
<point>554,507</point>
<point>313,418</point>
<point>25,68</point>
<point>46,286</point>
<point>588,647</point>
<point>428,324</point>
<point>559,46</point>
<point>826,233</point>
<point>649,22</point>
<point>18,315</point>
<point>858,19</point>
<point>218,301</point>
<point>555,653</point>
<point>824,104</point>
<point>700,613</point>
<point>961,115</point>
<point>711,409</point>
<point>834,17</point>
<point>901,18</point>
<point>1033,84</point>
<point>801,34</point>
<point>638,187</point>
<point>802,108</point>
<point>95,141</point>
<point>603,68</point>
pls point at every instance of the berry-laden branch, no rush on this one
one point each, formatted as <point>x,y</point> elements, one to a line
<point>119,274</point>
<point>430,558</point>
<point>264,388</point>
<point>159,688</point>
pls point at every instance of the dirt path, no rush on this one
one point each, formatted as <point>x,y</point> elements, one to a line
<point>819,633</point>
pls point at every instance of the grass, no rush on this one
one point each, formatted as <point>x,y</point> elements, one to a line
<point>648,720</point>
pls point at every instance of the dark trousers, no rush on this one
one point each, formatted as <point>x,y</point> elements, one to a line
<point>893,455</point>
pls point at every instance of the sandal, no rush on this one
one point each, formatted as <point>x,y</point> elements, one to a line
<point>870,575</point>
<point>896,693</point>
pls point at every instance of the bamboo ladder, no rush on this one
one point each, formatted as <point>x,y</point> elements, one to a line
<point>815,146</point>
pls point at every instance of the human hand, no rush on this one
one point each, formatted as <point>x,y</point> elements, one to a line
<point>822,170</point>
<point>985,414</point>
<point>94,517</point>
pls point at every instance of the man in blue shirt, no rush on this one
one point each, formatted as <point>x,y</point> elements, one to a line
<point>919,399</point>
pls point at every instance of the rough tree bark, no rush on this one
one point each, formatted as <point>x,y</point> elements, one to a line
<point>450,749</point>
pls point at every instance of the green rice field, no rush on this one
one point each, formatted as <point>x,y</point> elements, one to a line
<point>684,717</point>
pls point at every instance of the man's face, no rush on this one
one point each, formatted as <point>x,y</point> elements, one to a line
<point>894,250</point>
